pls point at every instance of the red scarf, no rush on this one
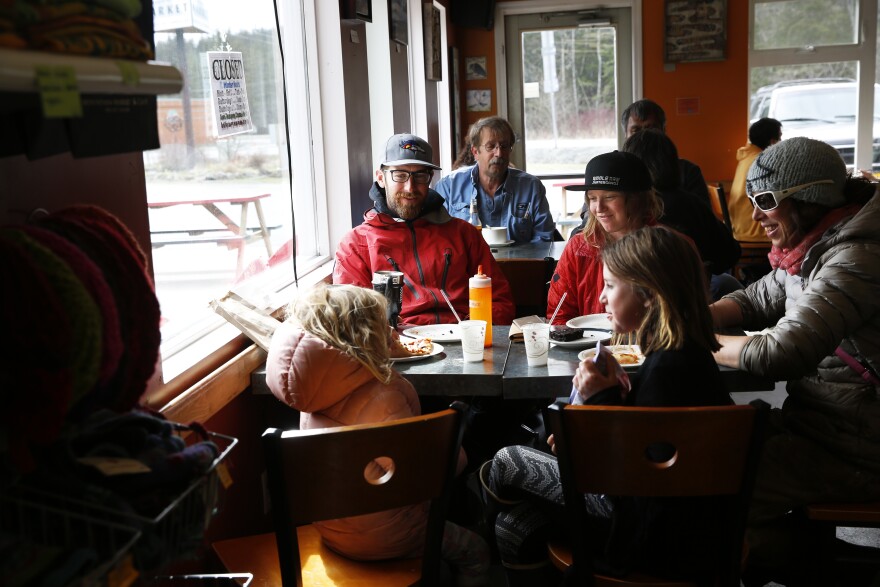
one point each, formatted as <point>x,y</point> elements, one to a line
<point>790,259</point>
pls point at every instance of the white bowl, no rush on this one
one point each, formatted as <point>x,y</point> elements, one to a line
<point>495,235</point>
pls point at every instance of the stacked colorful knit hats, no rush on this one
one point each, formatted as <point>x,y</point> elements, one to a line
<point>82,324</point>
<point>100,28</point>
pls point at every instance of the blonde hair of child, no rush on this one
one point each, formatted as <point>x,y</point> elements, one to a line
<point>350,318</point>
<point>663,266</point>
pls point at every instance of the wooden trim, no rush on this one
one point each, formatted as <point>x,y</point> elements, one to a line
<point>212,393</point>
<point>160,397</point>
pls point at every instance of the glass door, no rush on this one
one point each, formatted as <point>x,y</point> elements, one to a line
<point>569,75</point>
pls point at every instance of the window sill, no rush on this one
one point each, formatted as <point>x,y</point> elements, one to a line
<point>218,377</point>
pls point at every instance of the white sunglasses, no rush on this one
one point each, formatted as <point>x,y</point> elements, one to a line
<point>769,199</point>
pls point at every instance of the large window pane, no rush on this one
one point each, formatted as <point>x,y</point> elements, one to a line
<point>791,24</point>
<point>569,97</point>
<point>817,101</point>
<point>211,197</point>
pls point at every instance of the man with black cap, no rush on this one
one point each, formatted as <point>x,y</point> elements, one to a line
<point>409,230</point>
<point>621,199</point>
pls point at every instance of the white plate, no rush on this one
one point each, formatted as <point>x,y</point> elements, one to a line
<point>444,332</point>
<point>617,348</point>
<point>438,348</point>
<point>591,321</point>
<point>589,339</point>
<point>504,244</point>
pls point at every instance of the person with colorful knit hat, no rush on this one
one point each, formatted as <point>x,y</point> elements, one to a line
<point>818,317</point>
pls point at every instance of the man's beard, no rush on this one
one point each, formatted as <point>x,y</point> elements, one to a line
<point>500,169</point>
<point>406,209</point>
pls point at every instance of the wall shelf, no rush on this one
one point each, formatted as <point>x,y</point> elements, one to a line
<point>94,75</point>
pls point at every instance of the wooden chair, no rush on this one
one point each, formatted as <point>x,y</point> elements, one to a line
<point>602,450</point>
<point>719,203</point>
<point>753,261</point>
<point>316,475</point>
<point>832,561</point>
<point>529,282</point>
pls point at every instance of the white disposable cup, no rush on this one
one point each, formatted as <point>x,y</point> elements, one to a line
<point>537,339</point>
<point>473,336</point>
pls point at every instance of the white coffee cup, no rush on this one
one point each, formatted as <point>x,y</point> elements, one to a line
<point>537,339</point>
<point>495,235</point>
<point>473,337</point>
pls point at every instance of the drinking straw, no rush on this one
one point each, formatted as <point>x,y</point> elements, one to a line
<point>445,297</point>
<point>559,305</point>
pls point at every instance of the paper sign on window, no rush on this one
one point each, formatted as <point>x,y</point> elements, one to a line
<point>228,93</point>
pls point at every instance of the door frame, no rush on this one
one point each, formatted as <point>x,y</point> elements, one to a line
<point>503,9</point>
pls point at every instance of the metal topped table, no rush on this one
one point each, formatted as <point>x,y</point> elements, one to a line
<point>554,379</point>
<point>504,372</point>
<point>447,374</point>
<point>539,250</point>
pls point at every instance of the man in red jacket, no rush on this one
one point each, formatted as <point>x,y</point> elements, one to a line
<point>409,230</point>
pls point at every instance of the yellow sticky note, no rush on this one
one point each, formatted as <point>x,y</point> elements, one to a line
<point>225,476</point>
<point>130,74</point>
<point>59,93</point>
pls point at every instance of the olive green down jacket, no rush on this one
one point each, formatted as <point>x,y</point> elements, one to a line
<point>834,301</point>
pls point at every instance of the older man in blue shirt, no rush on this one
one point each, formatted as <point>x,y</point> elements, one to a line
<point>499,194</point>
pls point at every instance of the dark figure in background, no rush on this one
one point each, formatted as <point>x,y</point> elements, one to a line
<point>685,212</point>
<point>762,134</point>
<point>645,115</point>
<point>464,157</point>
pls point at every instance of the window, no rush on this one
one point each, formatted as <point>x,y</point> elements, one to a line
<point>566,84</point>
<point>810,69</point>
<point>222,209</point>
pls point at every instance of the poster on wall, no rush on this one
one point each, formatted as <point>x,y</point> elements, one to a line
<point>479,100</point>
<point>696,30</point>
<point>398,27</point>
<point>475,68</point>
<point>229,100</point>
<point>433,56</point>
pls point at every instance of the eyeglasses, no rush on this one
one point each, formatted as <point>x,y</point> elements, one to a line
<point>401,176</point>
<point>769,199</point>
<point>489,147</point>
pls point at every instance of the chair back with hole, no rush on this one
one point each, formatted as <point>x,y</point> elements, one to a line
<point>317,475</point>
<point>753,263</point>
<point>607,450</point>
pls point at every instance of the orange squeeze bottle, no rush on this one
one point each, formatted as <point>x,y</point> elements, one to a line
<point>480,298</point>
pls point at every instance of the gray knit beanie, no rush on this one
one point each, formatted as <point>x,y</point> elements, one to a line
<point>797,161</point>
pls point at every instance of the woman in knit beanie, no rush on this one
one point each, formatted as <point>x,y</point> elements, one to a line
<point>818,317</point>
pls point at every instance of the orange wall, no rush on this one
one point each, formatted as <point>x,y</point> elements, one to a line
<point>711,136</point>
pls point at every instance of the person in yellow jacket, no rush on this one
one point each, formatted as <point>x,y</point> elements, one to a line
<point>762,134</point>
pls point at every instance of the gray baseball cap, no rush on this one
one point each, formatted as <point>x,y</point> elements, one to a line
<point>407,149</point>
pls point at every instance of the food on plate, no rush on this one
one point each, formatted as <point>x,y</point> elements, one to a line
<point>565,333</point>
<point>626,358</point>
<point>625,355</point>
<point>411,348</point>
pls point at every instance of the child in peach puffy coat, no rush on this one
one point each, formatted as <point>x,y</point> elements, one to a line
<point>330,361</point>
